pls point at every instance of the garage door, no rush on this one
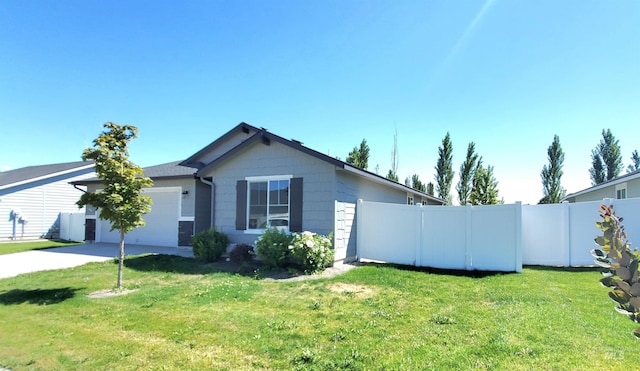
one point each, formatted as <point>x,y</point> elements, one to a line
<point>162,222</point>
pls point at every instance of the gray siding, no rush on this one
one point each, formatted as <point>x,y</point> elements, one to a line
<point>633,191</point>
<point>351,187</point>
<point>41,205</point>
<point>224,147</point>
<point>272,160</point>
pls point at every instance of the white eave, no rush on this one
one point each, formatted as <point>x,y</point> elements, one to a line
<point>31,180</point>
<point>621,179</point>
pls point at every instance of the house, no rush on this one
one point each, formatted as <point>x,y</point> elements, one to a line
<point>249,179</point>
<point>32,198</point>
<point>624,186</point>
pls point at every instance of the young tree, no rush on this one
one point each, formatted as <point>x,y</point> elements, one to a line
<point>359,157</point>
<point>635,162</point>
<point>607,154</point>
<point>120,201</point>
<point>417,184</point>
<point>552,174</point>
<point>393,172</point>
<point>407,181</point>
<point>466,174</point>
<point>444,169</point>
<point>485,187</point>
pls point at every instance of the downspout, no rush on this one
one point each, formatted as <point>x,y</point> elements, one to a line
<point>213,195</point>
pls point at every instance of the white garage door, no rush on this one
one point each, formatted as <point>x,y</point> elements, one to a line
<point>162,221</point>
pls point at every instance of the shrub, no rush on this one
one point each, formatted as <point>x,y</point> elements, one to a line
<point>273,248</point>
<point>311,252</point>
<point>622,271</point>
<point>209,245</point>
<point>241,253</point>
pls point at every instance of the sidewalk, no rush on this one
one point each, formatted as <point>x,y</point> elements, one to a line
<point>12,265</point>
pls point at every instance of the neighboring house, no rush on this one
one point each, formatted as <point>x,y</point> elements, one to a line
<point>32,198</point>
<point>249,179</point>
<point>624,186</point>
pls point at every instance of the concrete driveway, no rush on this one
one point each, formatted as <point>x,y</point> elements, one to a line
<point>12,265</point>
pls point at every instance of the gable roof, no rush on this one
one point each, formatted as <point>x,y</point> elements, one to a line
<point>167,170</point>
<point>621,179</point>
<point>29,174</point>
<point>264,136</point>
<point>241,127</point>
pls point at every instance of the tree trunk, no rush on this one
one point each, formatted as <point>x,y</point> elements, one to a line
<point>121,261</point>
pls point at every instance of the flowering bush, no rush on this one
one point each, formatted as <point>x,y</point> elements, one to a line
<point>273,248</point>
<point>311,252</point>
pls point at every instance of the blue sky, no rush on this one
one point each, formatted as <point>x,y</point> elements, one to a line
<point>507,75</point>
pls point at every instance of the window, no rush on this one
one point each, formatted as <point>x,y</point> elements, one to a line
<point>621,191</point>
<point>276,200</point>
<point>409,200</point>
<point>268,204</point>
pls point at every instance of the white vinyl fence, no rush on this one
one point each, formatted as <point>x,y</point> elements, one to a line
<point>469,237</point>
<point>562,234</point>
<point>72,226</point>
<point>495,238</point>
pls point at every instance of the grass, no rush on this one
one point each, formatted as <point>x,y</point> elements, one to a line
<point>15,247</point>
<point>188,315</point>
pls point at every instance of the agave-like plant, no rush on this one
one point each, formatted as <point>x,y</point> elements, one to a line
<point>620,265</point>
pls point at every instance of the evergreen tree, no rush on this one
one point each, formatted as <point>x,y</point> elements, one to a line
<point>485,187</point>
<point>606,158</point>
<point>430,187</point>
<point>407,181</point>
<point>392,176</point>
<point>597,171</point>
<point>551,175</point>
<point>120,201</point>
<point>635,162</point>
<point>359,156</point>
<point>466,174</point>
<point>417,184</point>
<point>444,169</point>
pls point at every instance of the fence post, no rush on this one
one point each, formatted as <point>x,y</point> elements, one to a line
<point>359,229</point>
<point>418,243</point>
<point>468,240</point>
<point>518,237</point>
<point>566,238</point>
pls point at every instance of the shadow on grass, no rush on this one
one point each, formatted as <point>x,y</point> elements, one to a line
<point>439,271</point>
<point>182,265</point>
<point>562,269</point>
<point>37,296</point>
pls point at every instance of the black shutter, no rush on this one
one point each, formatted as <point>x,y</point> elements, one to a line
<point>295,208</point>
<point>241,205</point>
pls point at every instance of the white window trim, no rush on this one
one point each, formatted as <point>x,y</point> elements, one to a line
<point>255,179</point>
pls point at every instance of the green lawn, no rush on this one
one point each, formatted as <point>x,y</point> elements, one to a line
<point>14,247</point>
<point>186,315</point>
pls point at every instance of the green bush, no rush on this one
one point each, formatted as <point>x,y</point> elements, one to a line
<point>311,252</point>
<point>273,248</point>
<point>209,245</point>
<point>241,253</point>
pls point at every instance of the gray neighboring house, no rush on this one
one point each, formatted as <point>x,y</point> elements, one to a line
<point>32,198</point>
<point>249,179</point>
<point>624,186</point>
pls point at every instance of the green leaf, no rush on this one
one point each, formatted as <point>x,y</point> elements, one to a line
<point>635,289</point>
<point>603,263</point>
<point>636,333</point>
<point>623,273</point>
<point>598,254</point>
